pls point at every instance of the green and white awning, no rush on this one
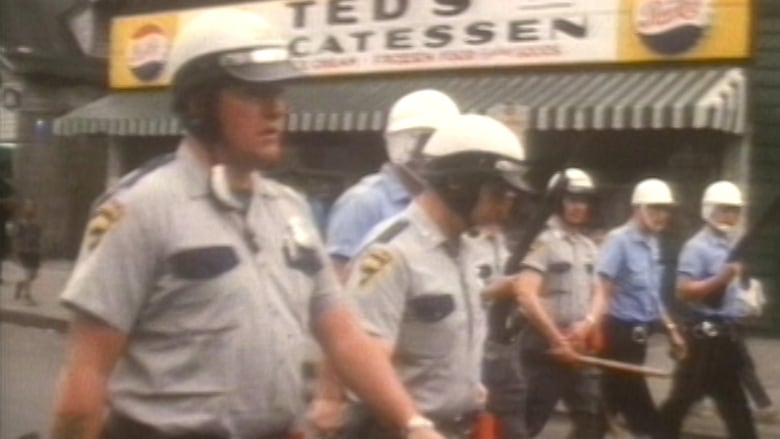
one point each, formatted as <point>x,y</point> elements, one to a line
<point>632,99</point>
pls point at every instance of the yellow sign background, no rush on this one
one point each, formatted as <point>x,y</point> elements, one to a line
<point>726,37</point>
<point>120,74</point>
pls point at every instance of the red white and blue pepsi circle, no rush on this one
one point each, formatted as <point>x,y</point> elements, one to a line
<point>147,52</point>
<point>672,27</point>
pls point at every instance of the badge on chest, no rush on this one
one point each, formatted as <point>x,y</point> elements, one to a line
<point>299,247</point>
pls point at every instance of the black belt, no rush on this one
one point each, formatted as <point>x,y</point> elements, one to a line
<point>639,331</point>
<point>120,426</point>
<point>711,328</point>
<point>461,425</point>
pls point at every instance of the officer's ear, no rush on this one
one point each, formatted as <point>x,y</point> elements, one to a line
<point>198,106</point>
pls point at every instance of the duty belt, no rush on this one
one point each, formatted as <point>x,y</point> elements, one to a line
<point>712,329</point>
<point>640,333</point>
<point>120,426</point>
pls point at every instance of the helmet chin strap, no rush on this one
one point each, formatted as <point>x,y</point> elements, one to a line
<point>460,200</point>
<point>707,212</point>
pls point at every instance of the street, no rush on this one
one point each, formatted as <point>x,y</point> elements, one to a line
<point>31,359</point>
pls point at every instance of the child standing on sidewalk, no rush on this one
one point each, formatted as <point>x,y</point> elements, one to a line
<point>27,249</point>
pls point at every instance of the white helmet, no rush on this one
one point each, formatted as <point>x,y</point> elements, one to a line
<point>652,191</point>
<point>228,43</point>
<point>413,116</point>
<point>723,192</point>
<point>426,109</point>
<point>720,193</point>
<point>476,144</point>
<point>577,181</point>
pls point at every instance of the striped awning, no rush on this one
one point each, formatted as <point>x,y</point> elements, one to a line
<point>675,98</point>
<point>137,113</point>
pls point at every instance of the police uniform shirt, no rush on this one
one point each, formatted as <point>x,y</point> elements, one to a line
<point>489,255</point>
<point>216,303</point>
<point>702,257</point>
<point>420,293</point>
<point>363,206</point>
<point>566,260</point>
<point>631,261</point>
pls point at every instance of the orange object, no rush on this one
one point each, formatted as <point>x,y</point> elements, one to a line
<point>296,435</point>
<point>595,341</point>
<point>485,427</point>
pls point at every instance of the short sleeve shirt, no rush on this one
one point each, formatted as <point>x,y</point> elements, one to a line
<point>702,257</point>
<point>363,206</point>
<point>420,292</point>
<point>567,261</point>
<point>631,261</point>
<point>490,254</point>
<point>216,303</point>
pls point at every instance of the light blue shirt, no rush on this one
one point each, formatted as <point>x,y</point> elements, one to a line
<point>373,199</point>
<point>631,261</point>
<point>703,257</point>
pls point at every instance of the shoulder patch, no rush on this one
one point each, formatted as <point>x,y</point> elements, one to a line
<point>392,231</point>
<point>105,217</point>
<point>373,263</point>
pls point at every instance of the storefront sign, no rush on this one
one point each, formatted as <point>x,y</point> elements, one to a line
<point>363,36</point>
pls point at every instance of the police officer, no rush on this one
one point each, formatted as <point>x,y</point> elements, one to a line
<point>199,278</point>
<point>501,369</point>
<point>415,285</point>
<point>375,198</point>
<point>379,196</point>
<point>558,291</point>
<point>708,285</point>
<point>630,271</point>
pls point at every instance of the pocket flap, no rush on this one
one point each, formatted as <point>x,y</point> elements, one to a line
<point>203,262</point>
<point>432,307</point>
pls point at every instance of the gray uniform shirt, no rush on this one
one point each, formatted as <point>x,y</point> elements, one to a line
<point>566,260</point>
<point>420,292</point>
<point>216,302</point>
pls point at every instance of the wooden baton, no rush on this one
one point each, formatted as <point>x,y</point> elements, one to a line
<point>624,367</point>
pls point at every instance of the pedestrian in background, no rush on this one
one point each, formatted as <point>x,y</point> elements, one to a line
<point>6,216</point>
<point>709,285</point>
<point>199,279</point>
<point>379,196</point>
<point>563,302</point>
<point>629,269</point>
<point>416,285</point>
<point>26,237</point>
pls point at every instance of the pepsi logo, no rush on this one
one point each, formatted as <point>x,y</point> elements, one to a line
<point>147,52</point>
<point>671,27</point>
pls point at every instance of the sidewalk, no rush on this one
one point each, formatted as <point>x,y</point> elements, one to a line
<point>48,313</point>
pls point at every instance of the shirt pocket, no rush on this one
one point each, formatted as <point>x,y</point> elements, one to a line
<point>559,276</point>
<point>639,272</point>
<point>429,327</point>
<point>199,293</point>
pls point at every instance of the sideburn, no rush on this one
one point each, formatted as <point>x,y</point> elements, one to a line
<point>201,111</point>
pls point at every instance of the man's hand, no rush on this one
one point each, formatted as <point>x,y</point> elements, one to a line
<point>734,269</point>
<point>563,351</point>
<point>327,416</point>
<point>578,335</point>
<point>679,348</point>
<point>424,433</point>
